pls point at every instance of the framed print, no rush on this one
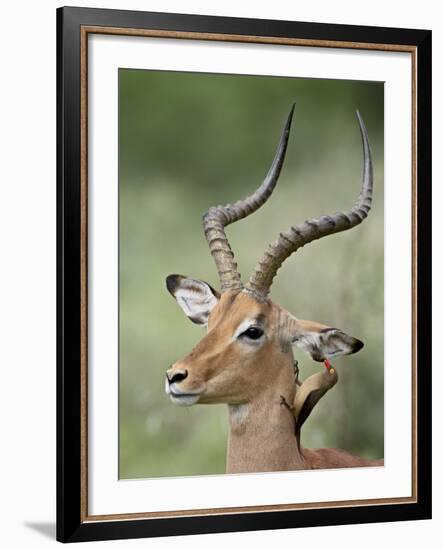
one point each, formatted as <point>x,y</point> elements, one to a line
<point>244,270</point>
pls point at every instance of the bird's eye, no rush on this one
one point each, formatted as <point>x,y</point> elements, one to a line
<point>253,333</point>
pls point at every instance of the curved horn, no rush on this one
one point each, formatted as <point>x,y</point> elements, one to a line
<point>218,217</point>
<point>313,229</point>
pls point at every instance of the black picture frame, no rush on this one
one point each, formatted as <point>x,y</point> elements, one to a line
<point>71,523</point>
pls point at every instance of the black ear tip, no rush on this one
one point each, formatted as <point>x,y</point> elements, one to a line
<point>172,282</point>
<point>357,346</point>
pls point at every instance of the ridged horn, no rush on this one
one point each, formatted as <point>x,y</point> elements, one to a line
<point>218,217</point>
<point>313,229</point>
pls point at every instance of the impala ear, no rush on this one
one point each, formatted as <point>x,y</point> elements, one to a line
<point>322,342</point>
<point>195,297</point>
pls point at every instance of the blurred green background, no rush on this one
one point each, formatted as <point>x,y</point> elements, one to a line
<point>189,141</point>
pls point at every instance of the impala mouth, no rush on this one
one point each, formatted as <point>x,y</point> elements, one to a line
<point>184,399</point>
<point>181,398</point>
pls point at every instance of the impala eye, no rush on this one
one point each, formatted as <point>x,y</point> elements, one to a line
<point>253,333</point>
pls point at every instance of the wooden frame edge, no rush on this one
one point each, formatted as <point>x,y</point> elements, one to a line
<point>84,31</point>
<point>84,274</point>
<point>202,512</point>
<point>414,299</point>
<point>187,35</point>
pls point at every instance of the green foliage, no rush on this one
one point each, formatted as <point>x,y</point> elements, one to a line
<point>189,141</point>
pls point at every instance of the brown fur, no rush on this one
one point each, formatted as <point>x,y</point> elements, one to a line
<point>320,459</point>
<point>252,379</point>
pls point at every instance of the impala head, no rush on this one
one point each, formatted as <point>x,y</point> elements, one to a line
<point>248,345</point>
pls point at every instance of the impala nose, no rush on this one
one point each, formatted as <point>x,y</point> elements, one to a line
<point>176,376</point>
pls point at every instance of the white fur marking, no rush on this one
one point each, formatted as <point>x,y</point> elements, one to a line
<point>244,325</point>
<point>331,344</point>
<point>239,413</point>
<point>308,341</point>
<point>196,299</point>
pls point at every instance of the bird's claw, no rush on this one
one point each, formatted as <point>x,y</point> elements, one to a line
<point>284,403</point>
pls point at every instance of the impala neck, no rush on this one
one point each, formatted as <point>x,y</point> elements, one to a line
<point>261,432</point>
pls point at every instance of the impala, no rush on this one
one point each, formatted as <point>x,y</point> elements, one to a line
<point>245,360</point>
